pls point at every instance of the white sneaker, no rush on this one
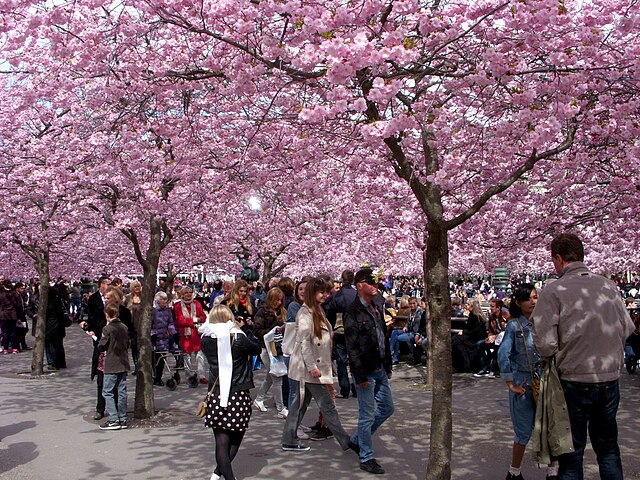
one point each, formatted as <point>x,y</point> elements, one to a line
<point>260,405</point>
<point>283,413</point>
<point>215,476</point>
<point>301,435</point>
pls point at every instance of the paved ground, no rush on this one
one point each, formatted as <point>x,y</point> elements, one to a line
<point>46,431</point>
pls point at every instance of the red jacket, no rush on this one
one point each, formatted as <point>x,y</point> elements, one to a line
<point>189,338</point>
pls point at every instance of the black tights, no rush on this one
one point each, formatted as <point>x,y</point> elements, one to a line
<point>227,446</point>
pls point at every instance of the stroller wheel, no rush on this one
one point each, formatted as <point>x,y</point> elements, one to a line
<point>171,384</point>
<point>176,377</point>
<point>193,381</point>
<point>631,363</point>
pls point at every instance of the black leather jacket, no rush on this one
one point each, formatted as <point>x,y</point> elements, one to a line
<point>242,347</point>
<point>362,340</point>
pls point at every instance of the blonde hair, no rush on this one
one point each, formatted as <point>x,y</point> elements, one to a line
<point>404,302</point>
<point>220,314</point>
<point>274,295</point>
<point>116,294</point>
<point>475,308</point>
<point>234,296</point>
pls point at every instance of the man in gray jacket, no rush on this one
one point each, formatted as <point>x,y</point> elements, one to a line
<point>581,319</point>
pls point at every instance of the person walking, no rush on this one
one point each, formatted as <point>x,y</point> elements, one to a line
<point>311,365</point>
<point>269,316</point>
<point>162,330</point>
<point>370,361</point>
<point>336,306</point>
<point>228,345</point>
<point>582,321</point>
<point>96,321</point>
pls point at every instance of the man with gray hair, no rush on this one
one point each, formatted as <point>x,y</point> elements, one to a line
<point>582,321</point>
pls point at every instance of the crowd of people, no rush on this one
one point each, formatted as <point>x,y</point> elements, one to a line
<point>307,332</point>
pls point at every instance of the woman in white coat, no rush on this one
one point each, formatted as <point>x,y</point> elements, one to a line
<point>310,364</point>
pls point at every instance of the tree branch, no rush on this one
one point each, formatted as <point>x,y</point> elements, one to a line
<point>515,176</point>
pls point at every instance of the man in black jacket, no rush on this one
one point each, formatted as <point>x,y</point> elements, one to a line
<point>335,308</point>
<point>370,362</point>
<point>95,323</point>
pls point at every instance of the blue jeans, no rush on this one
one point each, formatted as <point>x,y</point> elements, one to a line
<point>592,408</point>
<point>294,386</point>
<point>375,405</point>
<point>115,383</point>
<point>394,344</point>
<point>408,338</point>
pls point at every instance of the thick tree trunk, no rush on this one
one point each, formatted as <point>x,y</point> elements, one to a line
<point>144,401</point>
<point>37,358</point>
<point>436,273</point>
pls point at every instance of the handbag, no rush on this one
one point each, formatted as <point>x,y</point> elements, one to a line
<point>202,406</point>
<point>535,378</point>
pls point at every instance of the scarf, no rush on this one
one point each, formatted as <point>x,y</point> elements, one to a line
<point>187,314</point>
<point>222,332</point>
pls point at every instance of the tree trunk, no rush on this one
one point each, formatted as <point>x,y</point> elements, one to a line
<point>37,358</point>
<point>144,401</point>
<point>170,280</point>
<point>436,272</point>
<point>266,270</point>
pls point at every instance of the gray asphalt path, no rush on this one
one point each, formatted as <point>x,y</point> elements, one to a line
<point>47,431</point>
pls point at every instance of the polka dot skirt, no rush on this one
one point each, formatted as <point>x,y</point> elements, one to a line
<point>235,416</point>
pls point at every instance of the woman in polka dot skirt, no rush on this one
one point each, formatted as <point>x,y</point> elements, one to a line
<point>228,345</point>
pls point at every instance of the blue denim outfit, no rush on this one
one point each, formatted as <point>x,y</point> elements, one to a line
<point>515,366</point>
<point>375,405</point>
<point>115,383</point>
<point>592,406</point>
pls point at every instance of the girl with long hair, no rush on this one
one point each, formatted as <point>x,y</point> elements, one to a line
<point>239,302</point>
<point>133,301</point>
<point>311,365</point>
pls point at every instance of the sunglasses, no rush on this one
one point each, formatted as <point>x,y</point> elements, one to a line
<point>369,282</point>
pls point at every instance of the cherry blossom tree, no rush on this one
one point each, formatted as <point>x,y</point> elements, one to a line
<point>476,107</point>
<point>39,193</point>
<point>467,100</point>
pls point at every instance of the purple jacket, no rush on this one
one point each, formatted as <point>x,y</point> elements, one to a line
<point>162,327</point>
